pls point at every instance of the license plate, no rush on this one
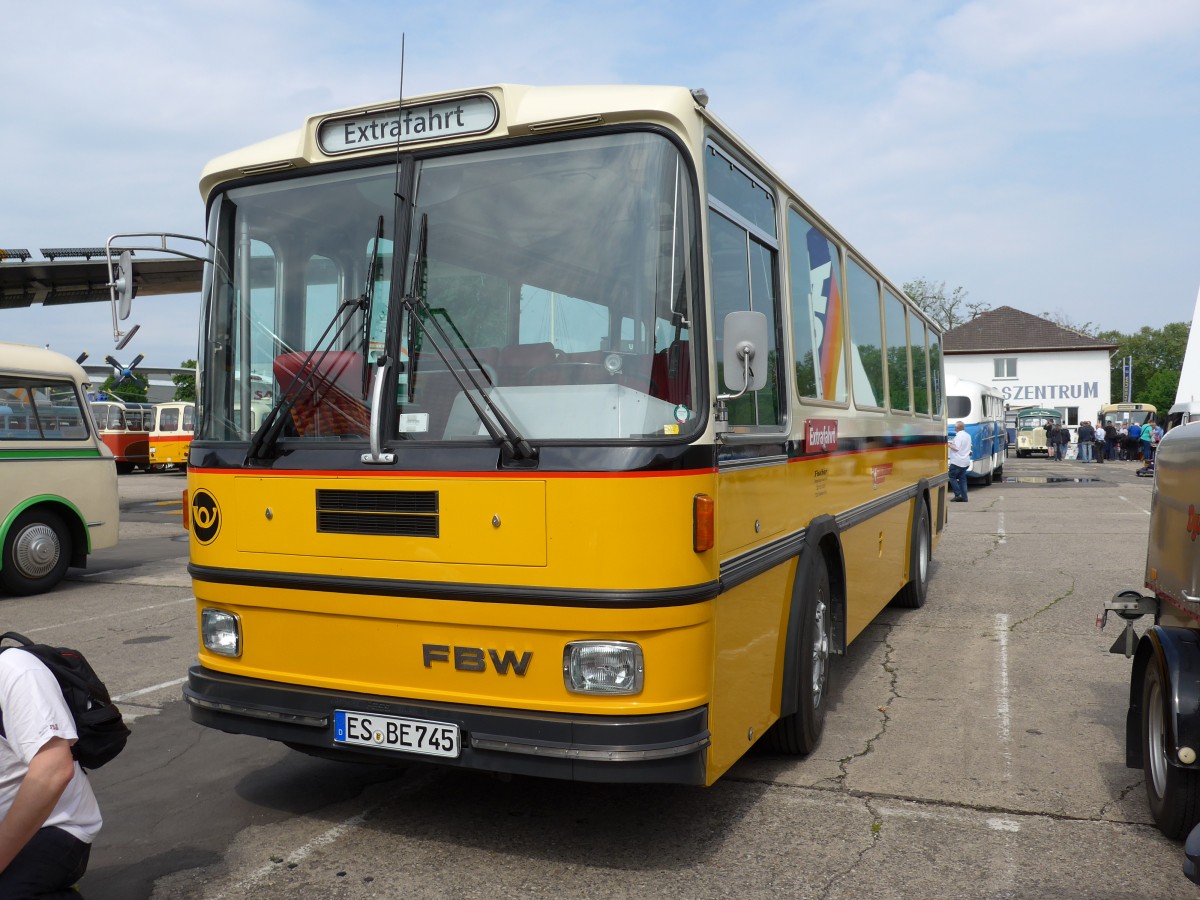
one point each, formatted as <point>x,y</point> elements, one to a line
<point>395,733</point>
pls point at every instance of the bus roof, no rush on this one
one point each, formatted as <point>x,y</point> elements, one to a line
<point>1044,412</point>
<point>519,110</point>
<point>516,110</point>
<point>27,359</point>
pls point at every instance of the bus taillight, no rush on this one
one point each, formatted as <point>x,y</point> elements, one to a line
<point>702,523</point>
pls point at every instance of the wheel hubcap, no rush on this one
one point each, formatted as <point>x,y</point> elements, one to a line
<point>1157,742</point>
<point>923,557</point>
<point>820,650</point>
<point>36,551</point>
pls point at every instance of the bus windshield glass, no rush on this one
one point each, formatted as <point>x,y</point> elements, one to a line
<point>556,278</point>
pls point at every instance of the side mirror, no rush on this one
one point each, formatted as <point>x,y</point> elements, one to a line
<point>122,286</point>
<point>745,342</point>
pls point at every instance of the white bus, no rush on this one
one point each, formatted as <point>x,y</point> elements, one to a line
<point>58,481</point>
<point>980,407</point>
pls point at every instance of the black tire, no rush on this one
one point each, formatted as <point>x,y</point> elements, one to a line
<point>1173,793</point>
<point>987,479</point>
<point>124,468</point>
<point>800,732</point>
<point>912,595</point>
<point>36,553</point>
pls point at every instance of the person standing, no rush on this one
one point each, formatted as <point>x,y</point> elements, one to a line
<point>960,462</point>
<point>1133,437</point>
<point>1051,439</point>
<point>1148,442</point>
<point>1086,437</point>
<point>49,813</point>
<point>1064,440</point>
<point>1101,443</point>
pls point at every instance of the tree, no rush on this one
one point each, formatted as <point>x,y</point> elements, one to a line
<point>1157,358</point>
<point>949,312</point>
<point>185,382</point>
<point>131,390</point>
<point>1062,320</point>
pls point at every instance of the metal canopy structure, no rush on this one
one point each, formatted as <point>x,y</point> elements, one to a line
<point>63,281</point>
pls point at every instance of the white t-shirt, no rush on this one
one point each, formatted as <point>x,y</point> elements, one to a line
<point>34,711</point>
<point>960,449</point>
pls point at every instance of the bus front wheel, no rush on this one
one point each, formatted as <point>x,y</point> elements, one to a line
<point>800,732</point>
<point>36,553</point>
<point>1173,793</point>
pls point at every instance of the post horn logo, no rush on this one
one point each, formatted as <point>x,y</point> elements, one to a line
<point>206,516</point>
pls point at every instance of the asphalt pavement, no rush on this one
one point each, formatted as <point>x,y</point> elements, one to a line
<point>973,748</point>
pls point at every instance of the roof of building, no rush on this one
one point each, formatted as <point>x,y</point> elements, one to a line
<point>1008,330</point>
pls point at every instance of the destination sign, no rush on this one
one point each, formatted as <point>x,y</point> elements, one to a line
<point>412,124</point>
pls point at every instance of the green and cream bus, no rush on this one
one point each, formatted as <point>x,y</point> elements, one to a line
<point>58,481</point>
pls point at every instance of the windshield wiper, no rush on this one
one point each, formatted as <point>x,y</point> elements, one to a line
<point>264,439</point>
<point>512,443</point>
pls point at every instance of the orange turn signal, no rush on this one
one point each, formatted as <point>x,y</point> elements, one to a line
<point>702,523</point>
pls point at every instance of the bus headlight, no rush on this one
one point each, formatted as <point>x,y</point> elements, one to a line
<point>603,667</point>
<point>221,632</point>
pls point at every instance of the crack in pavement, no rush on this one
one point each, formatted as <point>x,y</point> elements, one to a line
<point>885,715</point>
<point>1120,798</point>
<point>876,837</point>
<point>1049,606</point>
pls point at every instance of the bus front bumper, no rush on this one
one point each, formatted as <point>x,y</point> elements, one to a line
<point>668,748</point>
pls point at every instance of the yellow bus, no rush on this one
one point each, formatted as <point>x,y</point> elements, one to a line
<point>591,480</point>
<point>172,425</point>
<point>58,481</point>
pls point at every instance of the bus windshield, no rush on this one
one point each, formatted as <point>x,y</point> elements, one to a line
<point>556,278</point>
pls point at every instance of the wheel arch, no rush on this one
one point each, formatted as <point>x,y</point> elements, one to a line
<point>67,511</point>
<point>823,537</point>
<point>1176,654</point>
<point>924,495</point>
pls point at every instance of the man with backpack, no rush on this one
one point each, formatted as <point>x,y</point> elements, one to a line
<point>49,813</point>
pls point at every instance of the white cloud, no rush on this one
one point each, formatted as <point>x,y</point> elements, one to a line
<point>1011,147</point>
<point>1009,33</point>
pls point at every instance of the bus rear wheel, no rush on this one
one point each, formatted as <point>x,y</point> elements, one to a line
<point>36,553</point>
<point>800,732</point>
<point>912,595</point>
<point>1173,793</point>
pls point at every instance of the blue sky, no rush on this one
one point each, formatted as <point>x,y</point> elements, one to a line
<point>1042,154</point>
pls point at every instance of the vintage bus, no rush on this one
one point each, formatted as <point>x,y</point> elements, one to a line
<point>591,444</point>
<point>58,485</point>
<point>980,407</point>
<point>125,429</point>
<point>1032,423</point>
<point>1125,414</point>
<point>1162,722</point>
<point>1182,413</point>
<point>172,425</point>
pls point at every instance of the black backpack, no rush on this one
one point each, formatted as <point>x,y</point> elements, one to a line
<point>102,732</point>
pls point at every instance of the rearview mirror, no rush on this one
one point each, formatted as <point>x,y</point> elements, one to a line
<point>122,286</point>
<point>746,343</point>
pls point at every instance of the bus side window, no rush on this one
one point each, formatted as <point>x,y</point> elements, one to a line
<point>742,235</point>
<point>817,314</point>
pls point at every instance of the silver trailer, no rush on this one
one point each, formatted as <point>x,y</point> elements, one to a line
<point>1162,725</point>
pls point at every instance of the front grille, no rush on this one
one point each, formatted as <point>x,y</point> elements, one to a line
<point>395,513</point>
